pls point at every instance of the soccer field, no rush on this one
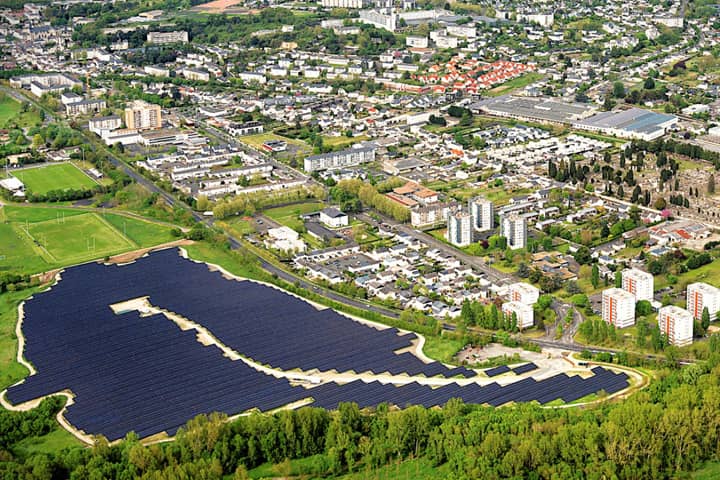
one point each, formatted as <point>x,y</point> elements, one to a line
<point>37,239</point>
<point>78,238</point>
<point>63,176</point>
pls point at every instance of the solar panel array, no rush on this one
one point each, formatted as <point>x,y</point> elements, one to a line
<point>528,367</point>
<point>129,372</point>
<point>494,372</point>
<point>567,388</point>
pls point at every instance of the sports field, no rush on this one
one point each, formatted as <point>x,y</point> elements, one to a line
<point>36,239</point>
<point>62,176</point>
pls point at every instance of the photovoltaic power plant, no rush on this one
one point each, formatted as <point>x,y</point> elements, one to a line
<point>142,373</point>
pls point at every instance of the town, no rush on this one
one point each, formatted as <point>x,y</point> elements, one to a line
<point>495,200</point>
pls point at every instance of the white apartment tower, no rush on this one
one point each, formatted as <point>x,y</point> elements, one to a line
<point>482,212</point>
<point>638,283</point>
<point>618,307</point>
<point>459,229</point>
<point>524,313</point>
<point>514,228</point>
<point>677,324</point>
<point>523,293</point>
<point>700,296</point>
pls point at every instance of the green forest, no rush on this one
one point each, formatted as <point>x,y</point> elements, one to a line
<point>664,431</point>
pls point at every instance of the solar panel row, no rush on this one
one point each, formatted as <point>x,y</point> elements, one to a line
<point>130,372</point>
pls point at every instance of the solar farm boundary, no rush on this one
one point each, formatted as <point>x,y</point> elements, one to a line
<point>20,358</point>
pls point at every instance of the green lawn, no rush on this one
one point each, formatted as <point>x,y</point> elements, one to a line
<point>709,471</point>
<point>442,349</point>
<point>55,441</point>
<point>237,226</point>
<point>63,176</point>
<point>10,370</point>
<point>9,108</point>
<point>290,215</point>
<point>515,83</point>
<point>143,233</point>
<point>68,236</point>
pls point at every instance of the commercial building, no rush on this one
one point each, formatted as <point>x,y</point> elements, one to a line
<point>700,296</point>
<point>140,115</point>
<point>638,283</point>
<point>483,214</point>
<point>632,123</point>
<point>618,307</point>
<point>534,109</point>
<point>677,324</point>
<point>514,228</point>
<point>523,293</point>
<point>459,229</point>
<point>160,38</point>
<point>524,313</point>
<point>344,158</point>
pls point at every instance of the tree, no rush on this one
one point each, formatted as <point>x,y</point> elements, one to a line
<point>711,185</point>
<point>705,319</point>
<point>618,89</point>
<point>643,308</point>
<point>618,279</point>
<point>649,84</point>
<point>583,255</point>
<point>595,276</point>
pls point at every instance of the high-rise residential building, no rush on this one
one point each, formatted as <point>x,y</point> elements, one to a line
<point>677,324</point>
<point>524,313</point>
<point>523,293</point>
<point>141,115</point>
<point>459,229</point>
<point>482,212</point>
<point>618,307</point>
<point>700,296</point>
<point>514,228</point>
<point>638,283</point>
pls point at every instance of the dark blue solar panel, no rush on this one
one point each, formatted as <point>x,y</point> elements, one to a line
<point>494,372</point>
<point>528,367</point>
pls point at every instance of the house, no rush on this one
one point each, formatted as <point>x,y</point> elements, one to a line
<point>332,217</point>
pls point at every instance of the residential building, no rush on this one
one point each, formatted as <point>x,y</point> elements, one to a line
<point>459,229</point>
<point>83,107</point>
<point>344,3</point>
<point>39,84</point>
<point>431,214</point>
<point>618,307</point>
<point>332,217</point>
<point>514,228</point>
<point>247,128</point>
<point>700,296</point>
<point>344,158</point>
<point>98,124</point>
<point>523,293</point>
<point>141,115</point>
<point>160,38</point>
<point>483,213</point>
<point>638,283</point>
<point>285,239</point>
<point>524,313</point>
<point>677,324</point>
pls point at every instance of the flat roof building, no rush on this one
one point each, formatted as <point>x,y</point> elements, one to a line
<point>141,115</point>
<point>523,293</point>
<point>677,324</point>
<point>618,307</point>
<point>638,283</point>
<point>700,296</point>
<point>514,228</point>
<point>459,229</point>
<point>524,313</point>
<point>483,214</point>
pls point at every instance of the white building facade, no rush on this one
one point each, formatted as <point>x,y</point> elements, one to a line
<point>524,313</point>
<point>483,213</point>
<point>700,296</point>
<point>459,229</point>
<point>618,307</point>
<point>638,283</point>
<point>514,229</point>
<point>677,324</point>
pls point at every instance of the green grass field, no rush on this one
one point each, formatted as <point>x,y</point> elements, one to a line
<point>514,84</point>
<point>9,108</point>
<point>63,176</point>
<point>142,233</point>
<point>260,138</point>
<point>37,239</point>
<point>342,141</point>
<point>290,215</point>
<point>442,349</point>
<point>709,471</point>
